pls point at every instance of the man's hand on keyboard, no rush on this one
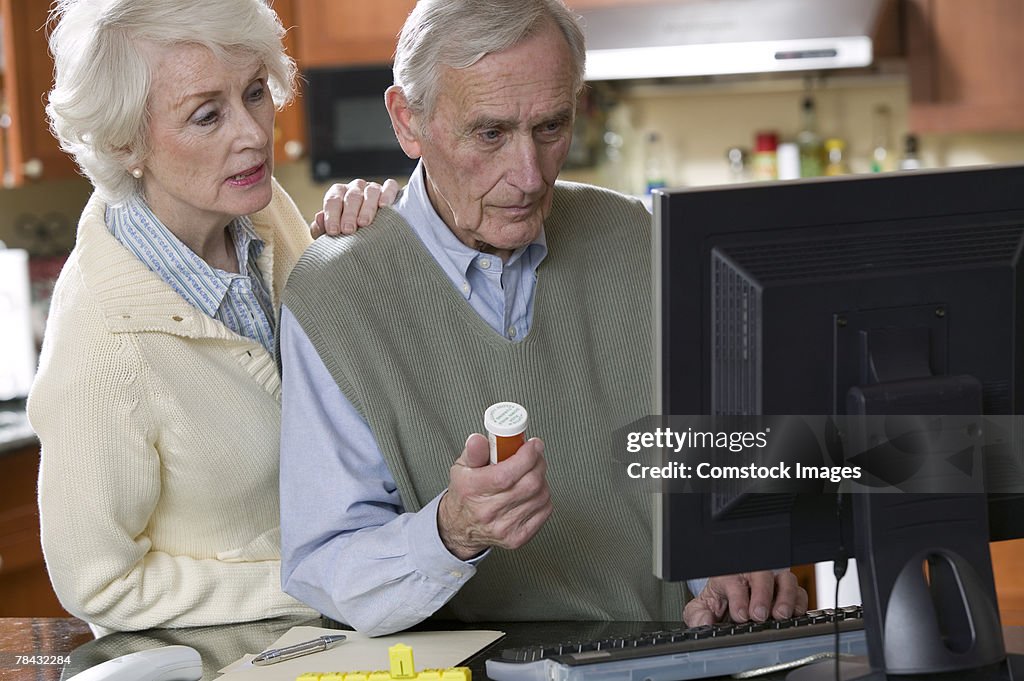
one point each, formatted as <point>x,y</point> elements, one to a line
<point>748,596</point>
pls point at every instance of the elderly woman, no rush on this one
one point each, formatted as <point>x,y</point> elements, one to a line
<point>157,400</point>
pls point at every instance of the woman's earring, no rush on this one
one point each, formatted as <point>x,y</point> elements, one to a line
<point>137,173</point>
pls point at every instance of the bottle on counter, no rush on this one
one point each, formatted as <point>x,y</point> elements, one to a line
<point>881,157</point>
<point>910,160</point>
<point>620,167</point>
<point>613,162</point>
<point>835,148</point>
<point>809,141</point>
<point>788,161</point>
<point>766,156</point>
<point>656,163</point>
<point>739,164</point>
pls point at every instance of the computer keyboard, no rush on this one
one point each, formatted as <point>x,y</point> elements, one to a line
<point>690,653</point>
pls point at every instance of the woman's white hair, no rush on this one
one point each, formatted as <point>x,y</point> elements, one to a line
<point>458,33</point>
<point>97,107</point>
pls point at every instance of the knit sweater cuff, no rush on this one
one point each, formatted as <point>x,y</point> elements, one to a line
<point>280,604</point>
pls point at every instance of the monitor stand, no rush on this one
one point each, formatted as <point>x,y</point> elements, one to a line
<point>925,571</point>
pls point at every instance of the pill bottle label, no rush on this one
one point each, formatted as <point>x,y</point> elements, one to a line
<point>504,447</point>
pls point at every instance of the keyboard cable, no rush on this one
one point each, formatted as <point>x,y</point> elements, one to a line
<point>839,565</point>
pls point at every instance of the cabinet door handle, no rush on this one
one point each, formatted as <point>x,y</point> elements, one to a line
<point>294,149</point>
<point>33,168</point>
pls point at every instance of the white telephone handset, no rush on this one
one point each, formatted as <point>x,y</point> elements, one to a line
<point>169,663</point>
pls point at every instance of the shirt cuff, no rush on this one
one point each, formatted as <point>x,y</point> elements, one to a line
<point>431,556</point>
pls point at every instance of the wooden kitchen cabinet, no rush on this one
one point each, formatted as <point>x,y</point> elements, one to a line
<point>351,32</point>
<point>290,141</point>
<point>964,60</point>
<point>25,589</point>
<point>28,152</point>
<point>348,32</point>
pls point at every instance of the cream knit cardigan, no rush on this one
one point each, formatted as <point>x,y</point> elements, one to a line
<point>158,489</point>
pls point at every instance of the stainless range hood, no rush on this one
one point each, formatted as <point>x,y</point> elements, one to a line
<point>713,37</point>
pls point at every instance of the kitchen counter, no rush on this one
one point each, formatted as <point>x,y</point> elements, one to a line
<point>65,646</point>
<point>15,432</point>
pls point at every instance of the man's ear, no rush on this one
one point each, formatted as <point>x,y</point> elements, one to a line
<point>403,121</point>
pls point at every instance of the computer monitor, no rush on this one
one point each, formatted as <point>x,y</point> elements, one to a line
<point>850,297</point>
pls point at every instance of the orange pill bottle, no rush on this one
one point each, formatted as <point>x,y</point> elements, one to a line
<point>505,423</point>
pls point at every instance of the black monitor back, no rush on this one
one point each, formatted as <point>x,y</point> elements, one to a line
<point>800,298</point>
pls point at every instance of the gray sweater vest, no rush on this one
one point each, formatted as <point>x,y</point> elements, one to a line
<point>421,367</point>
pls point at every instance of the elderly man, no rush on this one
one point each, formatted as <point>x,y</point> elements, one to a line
<point>488,282</point>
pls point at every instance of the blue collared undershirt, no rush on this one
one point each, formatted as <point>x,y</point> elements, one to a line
<point>240,300</point>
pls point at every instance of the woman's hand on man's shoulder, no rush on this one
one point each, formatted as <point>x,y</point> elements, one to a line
<point>351,205</point>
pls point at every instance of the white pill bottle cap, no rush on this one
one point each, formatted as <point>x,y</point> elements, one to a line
<point>505,419</point>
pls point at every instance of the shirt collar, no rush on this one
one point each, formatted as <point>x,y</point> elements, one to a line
<point>248,243</point>
<point>136,226</point>
<point>414,205</point>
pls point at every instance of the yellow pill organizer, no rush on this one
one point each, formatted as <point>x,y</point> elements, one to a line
<point>402,669</point>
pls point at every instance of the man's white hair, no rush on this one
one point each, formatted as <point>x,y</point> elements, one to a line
<point>458,33</point>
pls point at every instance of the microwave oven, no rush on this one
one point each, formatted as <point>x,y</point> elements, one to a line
<point>350,132</point>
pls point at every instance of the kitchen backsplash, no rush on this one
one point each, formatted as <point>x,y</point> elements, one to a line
<point>696,124</point>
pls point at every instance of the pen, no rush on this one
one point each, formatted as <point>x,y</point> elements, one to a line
<point>276,655</point>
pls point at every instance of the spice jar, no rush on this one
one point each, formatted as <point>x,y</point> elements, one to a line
<point>766,146</point>
<point>505,423</point>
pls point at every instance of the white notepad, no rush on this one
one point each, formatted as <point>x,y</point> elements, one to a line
<point>430,649</point>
